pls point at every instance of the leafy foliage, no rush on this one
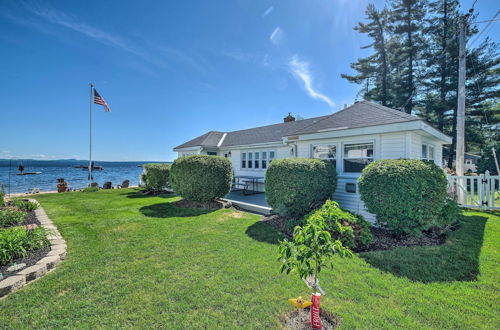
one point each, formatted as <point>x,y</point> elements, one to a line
<point>16,242</point>
<point>2,202</point>
<point>311,249</point>
<point>11,217</point>
<point>487,162</point>
<point>23,205</point>
<point>156,177</point>
<point>295,186</point>
<point>407,195</point>
<point>351,229</point>
<point>201,178</point>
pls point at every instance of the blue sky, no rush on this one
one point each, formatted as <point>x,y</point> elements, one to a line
<point>169,70</point>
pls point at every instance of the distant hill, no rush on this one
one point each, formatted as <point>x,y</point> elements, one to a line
<point>68,162</point>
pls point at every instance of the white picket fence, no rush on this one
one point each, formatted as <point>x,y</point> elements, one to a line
<point>482,191</point>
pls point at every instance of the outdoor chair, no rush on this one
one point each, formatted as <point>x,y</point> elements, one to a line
<point>107,185</point>
<point>124,184</point>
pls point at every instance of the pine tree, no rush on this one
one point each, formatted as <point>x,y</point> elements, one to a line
<point>374,71</point>
<point>406,19</point>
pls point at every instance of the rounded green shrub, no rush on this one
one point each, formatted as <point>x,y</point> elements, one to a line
<point>295,186</point>
<point>201,178</point>
<point>11,217</point>
<point>90,189</point>
<point>351,229</point>
<point>156,177</point>
<point>407,195</point>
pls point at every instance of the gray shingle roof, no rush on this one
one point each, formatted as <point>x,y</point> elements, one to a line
<point>360,114</point>
<point>210,139</point>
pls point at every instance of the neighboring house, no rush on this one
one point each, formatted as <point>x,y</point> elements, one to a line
<point>470,162</point>
<point>350,138</point>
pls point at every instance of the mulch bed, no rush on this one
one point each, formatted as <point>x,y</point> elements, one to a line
<point>32,257</point>
<point>213,205</point>
<point>383,239</point>
<point>300,320</point>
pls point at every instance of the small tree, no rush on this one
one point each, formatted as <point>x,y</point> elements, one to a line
<point>311,249</point>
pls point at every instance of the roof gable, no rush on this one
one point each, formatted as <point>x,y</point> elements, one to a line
<point>360,114</point>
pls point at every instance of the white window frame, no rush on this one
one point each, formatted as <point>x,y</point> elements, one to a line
<point>243,159</point>
<point>343,158</point>
<point>255,157</point>
<point>426,156</point>
<point>334,144</point>
<point>431,152</point>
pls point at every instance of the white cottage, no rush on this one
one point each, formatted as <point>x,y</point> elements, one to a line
<point>350,138</point>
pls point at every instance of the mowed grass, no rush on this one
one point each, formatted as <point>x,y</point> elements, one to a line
<point>140,262</point>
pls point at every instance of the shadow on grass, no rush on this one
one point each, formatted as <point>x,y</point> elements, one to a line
<point>167,210</point>
<point>262,232</point>
<point>139,194</point>
<point>456,260</point>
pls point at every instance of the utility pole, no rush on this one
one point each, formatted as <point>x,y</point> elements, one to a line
<point>460,146</point>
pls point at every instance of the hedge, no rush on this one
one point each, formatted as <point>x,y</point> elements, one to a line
<point>156,177</point>
<point>407,195</point>
<point>201,178</point>
<point>351,229</point>
<point>295,186</point>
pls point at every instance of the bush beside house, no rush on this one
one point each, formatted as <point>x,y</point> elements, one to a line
<point>351,229</point>
<point>295,186</point>
<point>156,177</point>
<point>201,178</point>
<point>408,196</point>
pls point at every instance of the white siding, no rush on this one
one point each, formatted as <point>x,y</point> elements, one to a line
<point>392,145</point>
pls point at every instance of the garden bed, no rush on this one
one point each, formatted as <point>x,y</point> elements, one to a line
<point>383,239</point>
<point>301,320</point>
<point>32,257</point>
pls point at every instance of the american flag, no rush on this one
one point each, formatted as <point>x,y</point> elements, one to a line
<point>99,100</point>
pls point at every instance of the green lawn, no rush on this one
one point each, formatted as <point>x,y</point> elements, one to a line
<point>140,262</point>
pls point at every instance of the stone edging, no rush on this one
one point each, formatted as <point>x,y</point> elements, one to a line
<point>43,266</point>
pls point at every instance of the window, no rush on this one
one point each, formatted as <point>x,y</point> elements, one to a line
<point>431,153</point>
<point>257,161</point>
<point>326,152</point>
<point>264,159</point>
<point>211,153</point>
<point>424,152</point>
<point>271,156</point>
<point>243,160</point>
<point>357,156</point>
<point>250,160</point>
<point>350,187</point>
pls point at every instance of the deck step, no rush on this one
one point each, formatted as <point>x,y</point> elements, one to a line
<point>251,207</point>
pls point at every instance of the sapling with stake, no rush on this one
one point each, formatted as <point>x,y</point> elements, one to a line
<point>311,249</point>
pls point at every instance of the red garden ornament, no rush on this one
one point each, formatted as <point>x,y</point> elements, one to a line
<point>315,311</point>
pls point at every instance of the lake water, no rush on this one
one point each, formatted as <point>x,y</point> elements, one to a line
<point>116,172</point>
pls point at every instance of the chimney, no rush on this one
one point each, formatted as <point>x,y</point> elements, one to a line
<point>288,118</point>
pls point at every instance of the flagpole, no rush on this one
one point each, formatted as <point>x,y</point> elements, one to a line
<point>90,134</point>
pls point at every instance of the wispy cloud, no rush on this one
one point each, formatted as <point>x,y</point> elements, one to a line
<point>268,11</point>
<point>277,36</point>
<point>57,17</point>
<point>300,70</point>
